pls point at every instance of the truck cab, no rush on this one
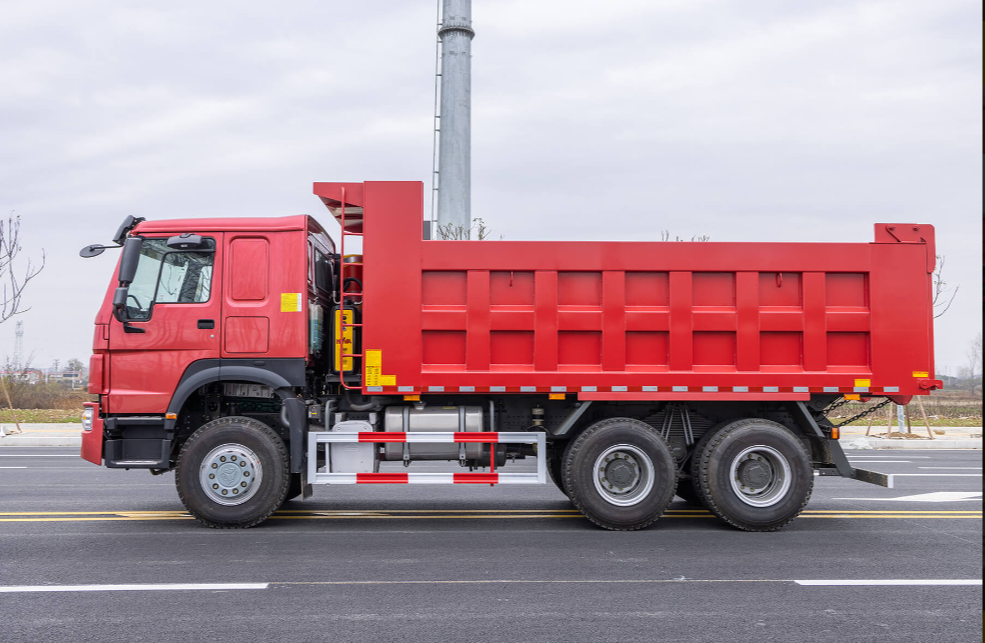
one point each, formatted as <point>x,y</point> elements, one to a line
<point>238,301</point>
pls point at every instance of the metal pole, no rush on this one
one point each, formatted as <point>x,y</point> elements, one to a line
<point>900,421</point>
<point>454,143</point>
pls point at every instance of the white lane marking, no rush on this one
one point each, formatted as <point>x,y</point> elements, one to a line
<point>876,457</point>
<point>881,461</point>
<point>953,468</point>
<point>13,589</point>
<point>894,581</point>
<point>937,496</point>
<point>13,467</point>
<point>939,475</point>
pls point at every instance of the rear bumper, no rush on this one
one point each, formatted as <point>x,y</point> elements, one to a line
<point>92,440</point>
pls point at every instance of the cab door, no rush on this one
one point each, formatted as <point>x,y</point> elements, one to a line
<point>172,319</point>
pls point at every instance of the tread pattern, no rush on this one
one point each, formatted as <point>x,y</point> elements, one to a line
<point>701,464</point>
<point>206,430</point>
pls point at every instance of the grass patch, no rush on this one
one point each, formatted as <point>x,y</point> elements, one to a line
<point>41,416</point>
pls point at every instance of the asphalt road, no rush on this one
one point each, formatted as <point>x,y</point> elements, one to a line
<point>510,563</point>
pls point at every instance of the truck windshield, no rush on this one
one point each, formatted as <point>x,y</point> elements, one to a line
<point>167,276</point>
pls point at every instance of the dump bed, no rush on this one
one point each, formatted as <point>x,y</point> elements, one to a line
<point>636,320</point>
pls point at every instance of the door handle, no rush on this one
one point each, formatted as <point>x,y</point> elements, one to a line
<point>206,323</point>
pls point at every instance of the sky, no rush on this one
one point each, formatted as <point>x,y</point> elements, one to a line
<point>751,121</point>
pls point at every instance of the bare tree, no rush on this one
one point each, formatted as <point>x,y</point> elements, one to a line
<point>941,300</point>
<point>665,236</point>
<point>451,232</point>
<point>14,280</point>
<point>975,356</point>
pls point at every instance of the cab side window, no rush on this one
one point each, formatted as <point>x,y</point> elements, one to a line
<point>168,276</point>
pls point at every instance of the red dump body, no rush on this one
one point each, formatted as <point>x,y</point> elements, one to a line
<point>636,320</point>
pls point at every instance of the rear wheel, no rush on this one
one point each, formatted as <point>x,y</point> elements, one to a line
<point>620,474</point>
<point>232,473</point>
<point>754,474</point>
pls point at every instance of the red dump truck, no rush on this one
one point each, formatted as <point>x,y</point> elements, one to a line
<point>255,357</point>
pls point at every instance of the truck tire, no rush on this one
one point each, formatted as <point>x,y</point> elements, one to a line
<point>754,474</point>
<point>232,473</point>
<point>620,474</point>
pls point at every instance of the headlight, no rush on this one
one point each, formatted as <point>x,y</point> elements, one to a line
<point>87,419</point>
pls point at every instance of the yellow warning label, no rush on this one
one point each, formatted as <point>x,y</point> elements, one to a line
<point>863,382</point>
<point>290,302</point>
<point>921,374</point>
<point>388,380</point>
<point>343,341</point>
<point>374,364</point>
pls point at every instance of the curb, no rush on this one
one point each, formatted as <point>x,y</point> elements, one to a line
<point>877,443</point>
<point>40,441</point>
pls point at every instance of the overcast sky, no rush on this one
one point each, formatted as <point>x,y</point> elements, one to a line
<point>745,121</point>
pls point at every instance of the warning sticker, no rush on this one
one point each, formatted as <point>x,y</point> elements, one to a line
<point>921,374</point>
<point>290,302</point>
<point>374,363</point>
<point>388,380</point>
<point>863,382</point>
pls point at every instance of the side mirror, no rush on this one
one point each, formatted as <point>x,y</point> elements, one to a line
<point>128,262</point>
<point>186,241</point>
<point>92,251</point>
<point>120,298</point>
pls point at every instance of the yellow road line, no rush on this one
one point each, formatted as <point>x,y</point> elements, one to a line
<point>447,514</point>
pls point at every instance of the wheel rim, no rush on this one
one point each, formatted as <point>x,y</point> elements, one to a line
<point>623,475</point>
<point>230,474</point>
<point>760,476</point>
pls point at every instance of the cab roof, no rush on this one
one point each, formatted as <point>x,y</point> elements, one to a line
<point>231,224</point>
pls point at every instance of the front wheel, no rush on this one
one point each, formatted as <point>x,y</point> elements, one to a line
<point>232,473</point>
<point>754,474</point>
<point>620,474</point>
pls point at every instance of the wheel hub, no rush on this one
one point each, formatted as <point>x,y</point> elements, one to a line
<point>754,474</point>
<point>760,476</point>
<point>621,473</point>
<point>230,474</point>
<point>624,475</point>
